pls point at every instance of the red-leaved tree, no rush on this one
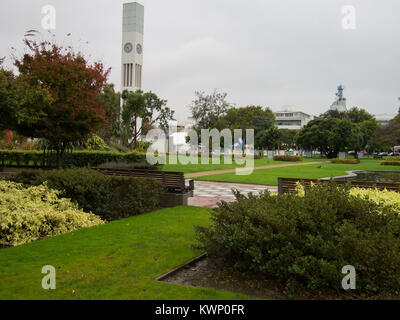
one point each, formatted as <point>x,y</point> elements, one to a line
<point>74,109</point>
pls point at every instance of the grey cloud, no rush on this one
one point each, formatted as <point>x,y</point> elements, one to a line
<point>265,52</point>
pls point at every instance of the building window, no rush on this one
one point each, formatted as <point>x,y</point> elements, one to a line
<point>138,76</point>
<point>128,74</point>
<point>124,75</point>
<point>289,123</point>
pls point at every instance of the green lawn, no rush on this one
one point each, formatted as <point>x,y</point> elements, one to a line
<point>118,260</point>
<point>270,176</point>
<point>191,168</point>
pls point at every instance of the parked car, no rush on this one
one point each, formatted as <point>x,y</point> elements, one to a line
<point>352,153</point>
<point>383,154</point>
<point>394,154</point>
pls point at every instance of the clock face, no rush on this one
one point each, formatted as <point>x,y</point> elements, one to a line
<point>139,48</point>
<point>128,47</point>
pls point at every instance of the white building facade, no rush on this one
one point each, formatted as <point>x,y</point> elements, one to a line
<point>290,118</point>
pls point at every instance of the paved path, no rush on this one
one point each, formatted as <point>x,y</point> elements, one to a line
<point>208,194</point>
<point>209,173</point>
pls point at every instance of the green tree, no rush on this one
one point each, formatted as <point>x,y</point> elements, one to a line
<point>250,117</point>
<point>111,100</point>
<point>365,121</point>
<point>288,138</point>
<point>145,106</point>
<point>268,139</point>
<point>334,114</point>
<point>74,109</point>
<point>330,136</point>
<point>358,115</point>
<point>20,101</point>
<point>209,109</point>
<point>386,137</point>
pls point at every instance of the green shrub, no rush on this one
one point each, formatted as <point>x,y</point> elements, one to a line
<point>305,241</point>
<point>142,146</point>
<point>130,196</point>
<point>390,163</point>
<point>107,196</point>
<point>29,214</point>
<point>346,161</point>
<point>77,159</point>
<point>288,158</point>
<point>96,143</point>
<point>392,158</point>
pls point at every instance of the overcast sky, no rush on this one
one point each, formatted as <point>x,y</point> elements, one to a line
<point>261,52</point>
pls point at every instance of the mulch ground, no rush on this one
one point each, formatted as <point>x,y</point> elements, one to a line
<point>208,273</point>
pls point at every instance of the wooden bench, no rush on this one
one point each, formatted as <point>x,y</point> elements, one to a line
<point>288,185</point>
<point>170,181</point>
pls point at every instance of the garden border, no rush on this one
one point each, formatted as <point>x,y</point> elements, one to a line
<point>180,268</point>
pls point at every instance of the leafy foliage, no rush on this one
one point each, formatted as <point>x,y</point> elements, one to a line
<point>20,101</point>
<point>387,136</point>
<point>29,214</point>
<point>250,117</point>
<point>107,196</point>
<point>96,143</point>
<point>209,109</point>
<point>73,109</point>
<point>288,158</point>
<point>268,139</point>
<point>111,101</point>
<point>288,138</point>
<point>390,163</point>
<point>346,161</point>
<point>366,123</point>
<point>329,136</point>
<point>147,106</point>
<point>79,159</point>
<point>305,241</point>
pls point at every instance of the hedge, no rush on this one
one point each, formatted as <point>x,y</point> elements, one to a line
<point>109,197</point>
<point>392,158</point>
<point>346,161</point>
<point>32,158</point>
<point>390,163</point>
<point>304,241</point>
<point>288,158</point>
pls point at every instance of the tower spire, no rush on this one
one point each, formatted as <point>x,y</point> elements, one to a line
<point>340,103</point>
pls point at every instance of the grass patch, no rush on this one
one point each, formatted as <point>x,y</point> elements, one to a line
<point>313,171</point>
<point>191,168</point>
<point>118,260</point>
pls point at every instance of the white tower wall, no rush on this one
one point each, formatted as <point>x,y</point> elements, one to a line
<point>132,46</point>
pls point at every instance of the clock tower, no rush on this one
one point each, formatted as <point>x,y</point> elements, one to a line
<point>132,46</point>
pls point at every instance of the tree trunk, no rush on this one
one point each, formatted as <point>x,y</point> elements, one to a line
<point>135,134</point>
<point>60,149</point>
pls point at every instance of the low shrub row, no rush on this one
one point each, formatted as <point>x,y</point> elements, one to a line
<point>392,158</point>
<point>288,158</point>
<point>346,161</point>
<point>79,159</point>
<point>109,197</point>
<point>305,240</point>
<point>390,163</point>
<point>31,213</point>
